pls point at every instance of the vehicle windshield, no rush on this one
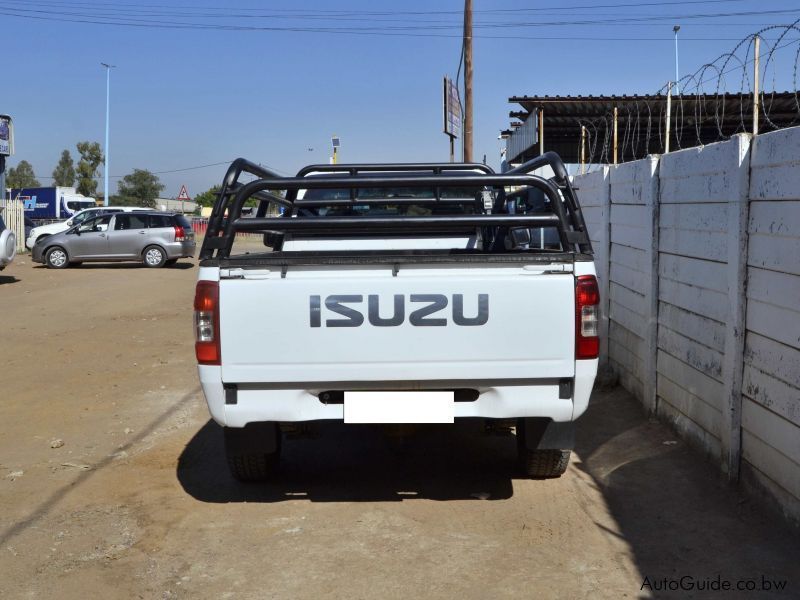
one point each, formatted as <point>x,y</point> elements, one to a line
<point>81,217</point>
<point>79,204</point>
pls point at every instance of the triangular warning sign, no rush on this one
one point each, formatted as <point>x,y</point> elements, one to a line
<point>184,195</point>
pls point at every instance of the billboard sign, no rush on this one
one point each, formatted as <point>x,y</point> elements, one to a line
<point>6,136</point>
<point>452,109</point>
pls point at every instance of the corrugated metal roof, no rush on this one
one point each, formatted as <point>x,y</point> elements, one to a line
<point>696,120</point>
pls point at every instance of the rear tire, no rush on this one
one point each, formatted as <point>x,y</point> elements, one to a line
<point>154,257</point>
<point>544,464</point>
<point>540,463</point>
<point>56,258</point>
<point>253,452</point>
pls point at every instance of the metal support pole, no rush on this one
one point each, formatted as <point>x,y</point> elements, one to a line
<point>615,135</point>
<point>106,149</point>
<point>452,148</point>
<point>541,131</point>
<point>756,68</point>
<point>669,114</point>
<point>676,29</point>
<point>583,149</point>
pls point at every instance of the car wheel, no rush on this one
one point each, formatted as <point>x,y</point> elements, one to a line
<point>154,257</point>
<point>56,258</point>
<point>544,463</point>
<point>253,452</point>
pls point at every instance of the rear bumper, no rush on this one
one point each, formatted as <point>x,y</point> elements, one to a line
<point>496,400</point>
<point>180,249</point>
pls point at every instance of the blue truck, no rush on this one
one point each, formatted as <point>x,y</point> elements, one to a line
<point>51,203</point>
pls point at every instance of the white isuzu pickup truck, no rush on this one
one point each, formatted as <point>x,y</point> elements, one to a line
<point>398,293</point>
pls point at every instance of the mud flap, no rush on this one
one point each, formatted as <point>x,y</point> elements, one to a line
<point>545,434</point>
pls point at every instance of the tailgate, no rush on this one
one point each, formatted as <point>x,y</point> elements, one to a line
<point>351,324</point>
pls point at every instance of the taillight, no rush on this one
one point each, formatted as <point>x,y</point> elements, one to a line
<point>206,323</point>
<point>587,317</point>
<point>180,234</point>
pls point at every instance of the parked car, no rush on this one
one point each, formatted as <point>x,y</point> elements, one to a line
<point>33,235</point>
<point>29,226</point>
<point>153,238</point>
<point>8,245</point>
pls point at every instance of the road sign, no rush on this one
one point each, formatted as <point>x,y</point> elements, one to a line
<point>184,195</point>
<point>6,136</point>
<point>452,109</point>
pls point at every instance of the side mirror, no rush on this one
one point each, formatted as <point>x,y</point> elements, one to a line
<point>69,223</point>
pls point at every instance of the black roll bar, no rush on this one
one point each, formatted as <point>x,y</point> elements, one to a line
<point>233,195</point>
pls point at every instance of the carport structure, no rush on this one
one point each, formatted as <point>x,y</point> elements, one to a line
<point>613,129</point>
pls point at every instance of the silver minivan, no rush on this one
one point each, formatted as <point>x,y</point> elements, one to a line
<point>153,238</point>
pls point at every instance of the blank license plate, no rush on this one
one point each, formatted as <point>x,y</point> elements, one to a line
<point>398,407</point>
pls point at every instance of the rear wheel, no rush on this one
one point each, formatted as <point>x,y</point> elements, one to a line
<point>253,452</point>
<point>56,258</point>
<point>542,463</point>
<point>154,257</point>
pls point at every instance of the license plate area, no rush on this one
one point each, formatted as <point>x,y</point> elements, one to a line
<point>399,407</point>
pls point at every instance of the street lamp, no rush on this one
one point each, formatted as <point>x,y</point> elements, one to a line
<point>675,30</point>
<point>105,148</point>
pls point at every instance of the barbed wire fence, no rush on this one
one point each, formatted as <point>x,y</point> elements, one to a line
<point>711,104</point>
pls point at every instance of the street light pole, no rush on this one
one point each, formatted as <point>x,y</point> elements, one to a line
<point>105,148</point>
<point>676,29</point>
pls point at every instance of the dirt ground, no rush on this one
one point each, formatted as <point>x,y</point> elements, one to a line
<point>137,502</point>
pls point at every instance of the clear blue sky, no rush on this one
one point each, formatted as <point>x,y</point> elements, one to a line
<point>186,97</point>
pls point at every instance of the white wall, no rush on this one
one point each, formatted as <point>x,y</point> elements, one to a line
<point>700,250</point>
<point>771,388</point>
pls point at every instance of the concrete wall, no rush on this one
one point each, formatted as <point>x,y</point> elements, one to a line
<point>698,253</point>
<point>771,386</point>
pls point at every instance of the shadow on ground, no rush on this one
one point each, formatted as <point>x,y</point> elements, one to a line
<point>675,508</point>
<point>4,279</point>
<point>672,506</point>
<point>435,462</point>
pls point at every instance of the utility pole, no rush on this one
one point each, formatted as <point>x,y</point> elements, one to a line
<point>106,150</point>
<point>468,81</point>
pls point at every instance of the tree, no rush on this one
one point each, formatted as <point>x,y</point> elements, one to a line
<point>91,157</point>
<point>140,188</point>
<point>208,197</point>
<point>22,177</point>
<point>64,173</point>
